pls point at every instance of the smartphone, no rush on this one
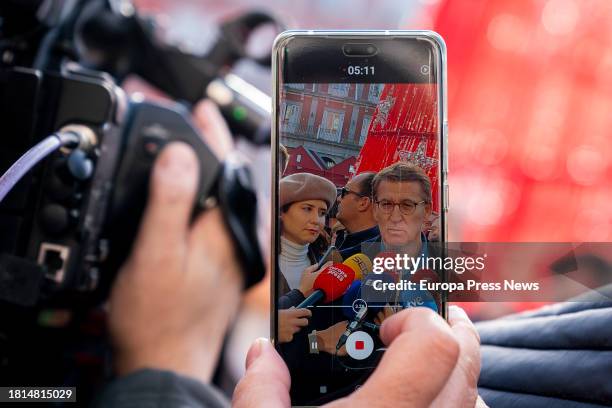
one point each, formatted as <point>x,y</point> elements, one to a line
<point>360,125</point>
<point>332,254</point>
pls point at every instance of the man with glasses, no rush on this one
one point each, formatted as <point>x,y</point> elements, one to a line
<point>355,213</point>
<point>402,204</point>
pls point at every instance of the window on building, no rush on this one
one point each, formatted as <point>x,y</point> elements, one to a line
<point>365,126</point>
<point>329,162</point>
<point>291,116</point>
<point>294,86</point>
<point>358,91</point>
<point>374,92</point>
<point>298,158</point>
<point>331,125</point>
<point>339,90</point>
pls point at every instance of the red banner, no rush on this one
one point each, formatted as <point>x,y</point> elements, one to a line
<point>404,128</point>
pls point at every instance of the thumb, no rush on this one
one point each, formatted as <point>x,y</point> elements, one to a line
<point>421,356</point>
<point>266,382</point>
<point>310,269</point>
<point>326,265</point>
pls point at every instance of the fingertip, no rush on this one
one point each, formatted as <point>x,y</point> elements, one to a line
<point>417,318</point>
<point>203,111</point>
<point>269,360</point>
<point>304,312</point>
<point>214,129</point>
<point>459,320</point>
<point>255,351</point>
<point>175,172</point>
<point>456,313</point>
<point>266,382</point>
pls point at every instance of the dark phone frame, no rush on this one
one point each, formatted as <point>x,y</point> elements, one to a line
<point>300,67</point>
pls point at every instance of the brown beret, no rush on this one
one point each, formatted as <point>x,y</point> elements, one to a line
<point>306,186</point>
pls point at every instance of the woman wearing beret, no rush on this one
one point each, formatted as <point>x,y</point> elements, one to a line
<point>304,201</point>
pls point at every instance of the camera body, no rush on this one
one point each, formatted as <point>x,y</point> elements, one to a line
<point>69,225</point>
<point>45,236</point>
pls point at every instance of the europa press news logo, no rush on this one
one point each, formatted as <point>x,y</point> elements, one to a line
<point>337,273</point>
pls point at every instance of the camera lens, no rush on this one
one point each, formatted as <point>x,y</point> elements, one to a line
<point>359,50</point>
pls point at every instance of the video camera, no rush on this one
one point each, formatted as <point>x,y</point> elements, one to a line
<point>69,223</point>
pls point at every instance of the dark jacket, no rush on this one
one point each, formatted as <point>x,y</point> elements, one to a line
<point>350,244</point>
<point>156,389</point>
<point>556,356</point>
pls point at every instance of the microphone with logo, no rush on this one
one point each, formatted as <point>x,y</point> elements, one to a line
<point>421,297</point>
<point>331,283</point>
<point>360,263</point>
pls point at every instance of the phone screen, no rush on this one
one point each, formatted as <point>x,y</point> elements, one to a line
<point>359,166</point>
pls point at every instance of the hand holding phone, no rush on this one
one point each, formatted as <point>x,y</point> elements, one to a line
<point>450,356</point>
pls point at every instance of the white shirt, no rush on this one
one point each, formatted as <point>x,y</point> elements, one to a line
<point>292,261</point>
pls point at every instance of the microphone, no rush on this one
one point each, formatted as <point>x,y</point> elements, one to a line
<point>418,297</point>
<point>360,263</point>
<point>362,291</point>
<point>331,283</point>
<point>352,326</point>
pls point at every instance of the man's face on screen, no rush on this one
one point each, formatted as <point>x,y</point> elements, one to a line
<point>348,206</point>
<point>397,228</point>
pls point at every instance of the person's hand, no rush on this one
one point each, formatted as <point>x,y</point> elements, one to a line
<point>461,389</point>
<point>213,127</point>
<point>423,354</point>
<point>383,314</point>
<point>291,321</point>
<point>328,339</point>
<point>174,297</point>
<point>308,277</point>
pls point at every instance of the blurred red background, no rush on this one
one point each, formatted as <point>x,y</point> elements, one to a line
<point>530,113</point>
<point>529,98</point>
<point>530,102</point>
